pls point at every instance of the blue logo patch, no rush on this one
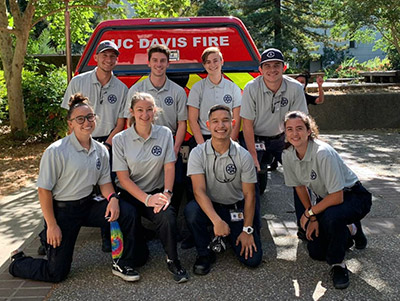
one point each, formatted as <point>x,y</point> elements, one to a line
<point>230,169</point>
<point>313,175</point>
<point>98,163</point>
<point>156,150</point>
<point>112,98</point>
<point>168,101</point>
<point>227,98</point>
<point>284,102</point>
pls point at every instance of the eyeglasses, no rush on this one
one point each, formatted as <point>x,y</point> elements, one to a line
<point>229,169</point>
<point>81,119</point>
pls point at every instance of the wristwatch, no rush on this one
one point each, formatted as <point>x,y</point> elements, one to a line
<point>248,230</point>
<point>169,192</point>
<point>310,212</point>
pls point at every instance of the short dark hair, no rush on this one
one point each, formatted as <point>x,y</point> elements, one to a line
<point>158,48</point>
<point>306,74</point>
<point>219,107</point>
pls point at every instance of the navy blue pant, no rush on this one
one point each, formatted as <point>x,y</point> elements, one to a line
<point>331,244</point>
<point>198,222</point>
<point>274,148</point>
<point>165,222</point>
<point>70,219</point>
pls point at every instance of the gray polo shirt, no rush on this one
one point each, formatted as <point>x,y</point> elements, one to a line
<point>204,94</point>
<point>108,102</point>
<point>321,169</point>
<point>144,159</point>
<point>240,169</point>
<point>69,171</point>
<point>268,109</point>
<point>171,98</point>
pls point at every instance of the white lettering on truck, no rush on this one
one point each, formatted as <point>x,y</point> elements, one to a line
<point>180,42</point>
<point>211,41</point>
<point>169,42</point>
<point>127,43</point>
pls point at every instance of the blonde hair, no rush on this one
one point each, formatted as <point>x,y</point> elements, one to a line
<point>142,96</point>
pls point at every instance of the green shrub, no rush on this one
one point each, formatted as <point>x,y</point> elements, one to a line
<point>42,97</point>
<point>352,67</point>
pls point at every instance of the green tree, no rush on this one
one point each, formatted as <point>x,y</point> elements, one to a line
<point>19,17</point>
<point>360,19</point>
<point>284,24</point>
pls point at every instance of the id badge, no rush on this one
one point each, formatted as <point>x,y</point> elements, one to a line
<point>260,146</point>
<point>99,198</point>
<point>236,215</point>
<point>184,150</point>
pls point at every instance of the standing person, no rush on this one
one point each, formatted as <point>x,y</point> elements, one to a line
<point>107,96</point>
<point>223,177</point>
<point>144,161</point>
<point>311,99</point>
<point>69,169</point>
<point>214,89</point>
<point>341,203</point>
<point>266,100</point>
<point>171,98</point>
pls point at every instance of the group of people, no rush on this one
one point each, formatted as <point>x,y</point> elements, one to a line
<point>146,161</point>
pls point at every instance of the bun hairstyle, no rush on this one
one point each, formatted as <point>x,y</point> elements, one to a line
<point>308,121</point>
<point>75,101</point>
<point>142,96</point>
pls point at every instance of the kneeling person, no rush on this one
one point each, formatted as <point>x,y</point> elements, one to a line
<point>223,177</point>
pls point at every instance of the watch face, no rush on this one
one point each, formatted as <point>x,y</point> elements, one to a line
<point>249,230</point>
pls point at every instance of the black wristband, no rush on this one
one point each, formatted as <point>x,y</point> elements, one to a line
<point>306,215</point>
<point>113,195</point>
<point>107,144</point>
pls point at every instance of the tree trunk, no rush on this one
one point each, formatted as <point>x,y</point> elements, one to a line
<point>16,103</point>
<point>278,25</point>
<point>13,58</point>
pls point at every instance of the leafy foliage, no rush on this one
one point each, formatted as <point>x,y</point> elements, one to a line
<point>284,24</point>
<point>43,95</point>
<point>3,99</point>
<point>352,67</point>
<point>359,20</point>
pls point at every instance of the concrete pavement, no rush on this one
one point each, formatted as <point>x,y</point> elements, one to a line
<point>287,272</point>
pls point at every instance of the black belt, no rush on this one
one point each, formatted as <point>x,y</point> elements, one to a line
<point>65,204</point>
<point>237,205</point>
<point>271,137</point>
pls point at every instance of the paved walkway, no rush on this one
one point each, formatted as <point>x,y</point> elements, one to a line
<point>287,272</point>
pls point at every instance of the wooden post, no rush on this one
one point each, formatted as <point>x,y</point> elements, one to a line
<point>68,41</point>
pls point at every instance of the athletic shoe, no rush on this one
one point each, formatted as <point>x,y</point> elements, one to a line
<point>340,277</point>
<point>16,254</point>
<point>126,272</point>
<point>202,266</point>
<point>175,268</point>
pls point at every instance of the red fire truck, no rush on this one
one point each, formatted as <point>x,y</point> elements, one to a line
<point>186,37</point>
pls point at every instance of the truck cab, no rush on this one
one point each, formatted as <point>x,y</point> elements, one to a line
<point>186,38</point>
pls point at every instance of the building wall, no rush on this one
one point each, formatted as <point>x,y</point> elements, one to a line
<point>358,111</point>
